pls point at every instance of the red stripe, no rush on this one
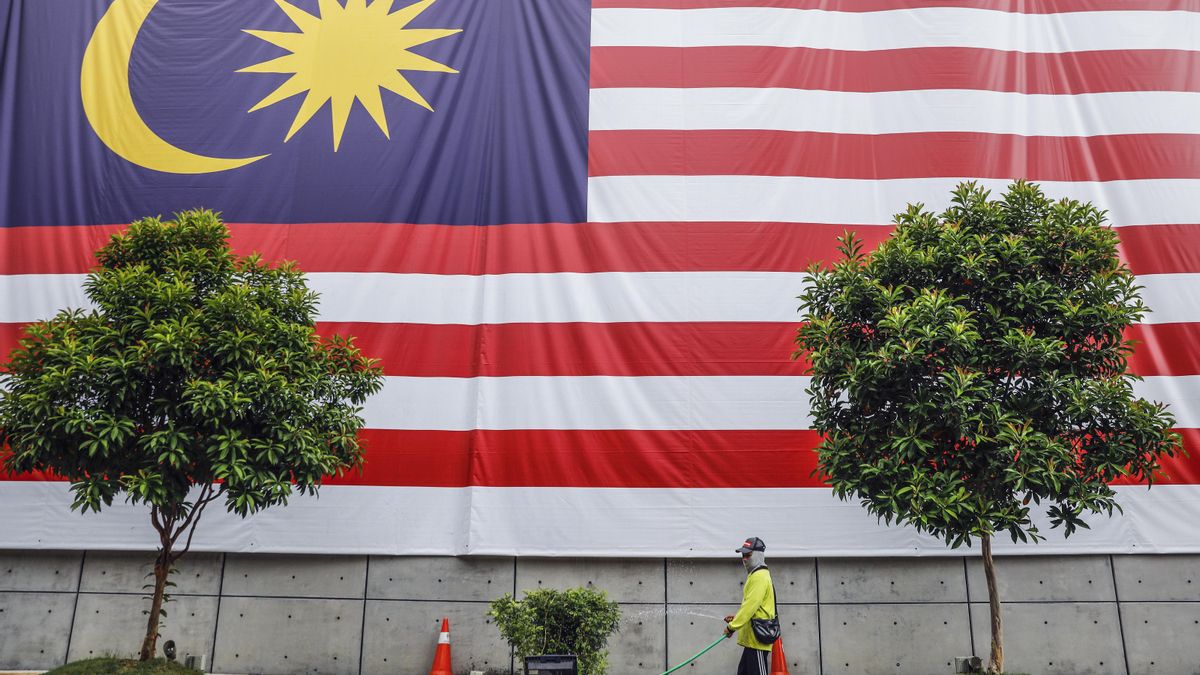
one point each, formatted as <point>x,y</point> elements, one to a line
<point>618,458</point>
<point>590,458</point>
<point>642,349</point>
<point>552,247</point>
<point>365,247</point>
<point>562,349</point>
<point>497,249</point>
<point>578,458</point>
<point>9,333</point>
<point>609,458</point>
<point>578,349</point>
<point>755,152</point>
<point>1013,6</point>
<point>1161,249</point>
<point>555,247</point>
<point>1165,349</point>
<point>1179,470</point>
<point>51,250</point>
<point>896,69</point>
<point>658,349</point>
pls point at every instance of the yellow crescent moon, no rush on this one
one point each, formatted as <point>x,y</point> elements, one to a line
<point>108,103</point>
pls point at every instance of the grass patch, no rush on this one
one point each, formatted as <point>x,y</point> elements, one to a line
<point>114,666</point>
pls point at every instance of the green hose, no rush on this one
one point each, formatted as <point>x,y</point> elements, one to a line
<point>696,655</point>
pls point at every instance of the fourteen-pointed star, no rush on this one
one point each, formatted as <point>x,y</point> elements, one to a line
<point>348,52</point>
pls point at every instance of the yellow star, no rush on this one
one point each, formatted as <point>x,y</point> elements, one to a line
<point>348,53</point>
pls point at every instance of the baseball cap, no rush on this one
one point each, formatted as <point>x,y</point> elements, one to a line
<point>752,544</point>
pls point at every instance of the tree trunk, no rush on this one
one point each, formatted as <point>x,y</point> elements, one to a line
<point>162,568</point>
<point>165,520</point>
<point>996,662</point>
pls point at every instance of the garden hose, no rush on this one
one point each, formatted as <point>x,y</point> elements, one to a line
<point>696,655</point>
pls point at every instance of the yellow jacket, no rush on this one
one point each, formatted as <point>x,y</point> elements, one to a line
<point>758,602</point>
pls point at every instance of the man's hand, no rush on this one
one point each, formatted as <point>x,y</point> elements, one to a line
<point>729,618</point>
<point>728,631</point>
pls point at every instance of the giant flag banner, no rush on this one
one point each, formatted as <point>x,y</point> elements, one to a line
<point>574,231</point>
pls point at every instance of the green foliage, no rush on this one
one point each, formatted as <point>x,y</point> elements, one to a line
<point>195,368</point>
<point>975,363</point>
<point>575,621</point>
<point>113,666</point>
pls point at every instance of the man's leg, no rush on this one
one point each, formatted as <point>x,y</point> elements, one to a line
<point>754,662</point>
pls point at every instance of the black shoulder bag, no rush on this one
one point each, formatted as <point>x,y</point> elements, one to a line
<point>767,631</point>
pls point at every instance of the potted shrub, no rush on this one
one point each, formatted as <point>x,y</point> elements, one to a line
<point>576,621</point>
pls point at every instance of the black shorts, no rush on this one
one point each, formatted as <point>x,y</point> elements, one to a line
<point>754,662</point>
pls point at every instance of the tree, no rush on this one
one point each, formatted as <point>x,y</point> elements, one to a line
<point>196,377</point>
<point>974,363</point>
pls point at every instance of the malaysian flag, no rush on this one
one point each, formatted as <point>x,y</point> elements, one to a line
<point>574,232</point>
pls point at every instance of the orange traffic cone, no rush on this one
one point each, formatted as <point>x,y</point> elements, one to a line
<point>778,659</point>
<point>441,658</point>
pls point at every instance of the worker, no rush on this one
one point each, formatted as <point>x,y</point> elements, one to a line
<point>758,605</point>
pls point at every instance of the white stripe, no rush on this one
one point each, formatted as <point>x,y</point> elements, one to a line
<point>648,402</point>
<point>894,112</point>
<point>1173,298</point>
<point>37,297</point>
<point>896,29</point>
<point>606,297</point>
<point>1181,393</point>
<point>601,522</point>
<point>594,402</point>
<point>840,200</point>
<point>504,298</point>
<point>558,297</point>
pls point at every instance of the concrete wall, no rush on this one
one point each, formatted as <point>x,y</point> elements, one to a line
<point>291,614</point>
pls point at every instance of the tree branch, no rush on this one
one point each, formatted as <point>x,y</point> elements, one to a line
<point>154,519</point>
<point>193,519</point>
<point>200,501</point>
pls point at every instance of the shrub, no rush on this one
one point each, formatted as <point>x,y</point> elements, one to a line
<point>576,621</point>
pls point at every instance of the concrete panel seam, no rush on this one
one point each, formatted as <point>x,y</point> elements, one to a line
<point>146,593</point>
<point>666,620</point>
<point>1120,622</point>
<point>1140,602</point>
<point>362,636</point>
<point>75,608</point>
<point>849,603</point>
<point>970,622</point>
<point>1158,602</point>
<point>212,656</point>
<point>300,597</point>
<point>735,601</point>
<point>1047,602</point>
<point>512,651</point>
<point>448,602</point>
<point>817,584</point>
